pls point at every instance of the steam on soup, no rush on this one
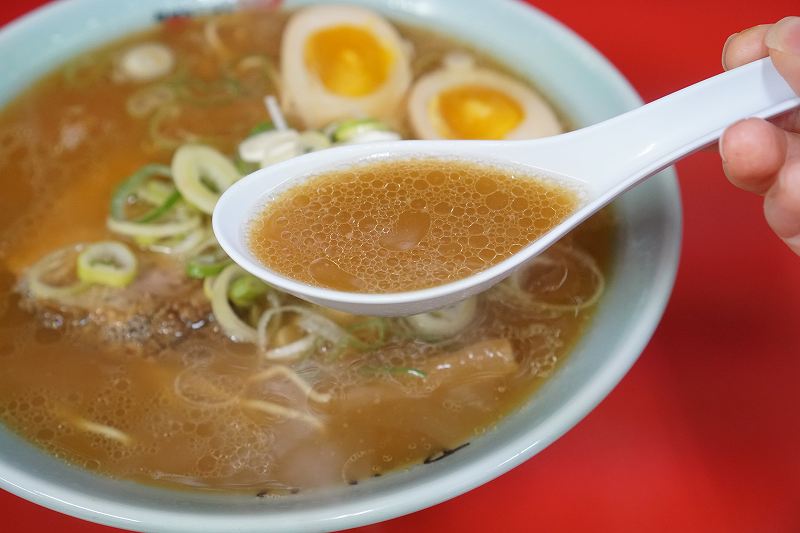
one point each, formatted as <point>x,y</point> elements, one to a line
<point>401,225</point>
<point>131,345</point>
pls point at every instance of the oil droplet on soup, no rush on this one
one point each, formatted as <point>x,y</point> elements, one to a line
<point>401,225</point>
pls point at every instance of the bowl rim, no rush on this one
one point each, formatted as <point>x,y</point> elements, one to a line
<point>378,507</point>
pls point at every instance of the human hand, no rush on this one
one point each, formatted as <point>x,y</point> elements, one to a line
<point>764,157</point>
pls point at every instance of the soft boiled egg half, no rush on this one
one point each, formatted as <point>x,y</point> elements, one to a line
<point>342,62</point>
<point>463,101</point>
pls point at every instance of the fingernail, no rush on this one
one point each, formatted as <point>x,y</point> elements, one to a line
<point>784,36</point>
<point>725,49</point>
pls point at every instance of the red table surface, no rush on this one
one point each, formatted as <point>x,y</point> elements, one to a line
<point>704,433</point>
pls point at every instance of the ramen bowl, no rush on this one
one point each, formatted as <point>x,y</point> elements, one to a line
<point>578,80</point>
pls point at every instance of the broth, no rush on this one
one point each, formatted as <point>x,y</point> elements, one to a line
<point>221,383</point>
<point>404,225</point>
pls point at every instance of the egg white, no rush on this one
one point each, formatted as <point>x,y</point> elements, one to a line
<point>539,119</point>
<point>305,96</point>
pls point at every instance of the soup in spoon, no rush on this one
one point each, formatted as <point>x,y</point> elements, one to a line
<point>399,225</point>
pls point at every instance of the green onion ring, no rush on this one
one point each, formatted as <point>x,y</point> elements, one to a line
<point>132,184</point>
<point>195,168</point>
<point>233,326</point>
<point>45,291</point>
<point>346,130</point>
<point>245,290</point>
<point>209,261</point>
<point>203,266</point>
<point>165,229</point>
<point>109,263</point>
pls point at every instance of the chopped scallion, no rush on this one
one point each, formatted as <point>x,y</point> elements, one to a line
<point>201,174</point>
<point>261,127</point>
<point>245,290</point>
<point>141,185</point>
<point>108,263</point>
<point>347,130</point>
<point>205,265</point>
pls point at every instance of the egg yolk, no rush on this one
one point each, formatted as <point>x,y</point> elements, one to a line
<point>349,60</point>
<point>476,112</point>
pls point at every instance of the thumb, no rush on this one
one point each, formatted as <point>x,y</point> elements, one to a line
<point>783,42</point>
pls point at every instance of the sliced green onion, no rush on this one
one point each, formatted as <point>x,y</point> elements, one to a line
<point>320,325</point>
<point>186,222</point>
<point>108,263</point>
<point>293,350</point>
<point>155,128</point>
<point>160,210</point>
<point>313,140</point>
<point>347,130</point>
<point>179,245</point>
<point>143,102</point>
<point>155,192</point>
<point>310,321</point>
<point>54,261</point>
<point>315,325</point>
<point>146,61</point>
<point>444,323</point>
<point>145,242</point>
<point>209,261</point>
<point>368,334</point>
<point>244,167</point>
<point>374,136</point>
<point>260,128</point>
<point>575,262</point>
<point>201,174</point>
<point>233,326</point>
<point>207,265</point>
<point>281,152</point>
<point>256,147</point>
<point>245,290</point>
<point>268,69</point>
<point>132,186</point>
<point>201,92</point>
<point>208,286</point>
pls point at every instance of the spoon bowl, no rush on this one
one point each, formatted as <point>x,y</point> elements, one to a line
<point>601,161</point>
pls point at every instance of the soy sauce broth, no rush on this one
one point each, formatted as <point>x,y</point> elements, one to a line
<point>401,225</point>
<point>130,392</point>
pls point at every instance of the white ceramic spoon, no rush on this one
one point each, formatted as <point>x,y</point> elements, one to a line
<point>604,160</point>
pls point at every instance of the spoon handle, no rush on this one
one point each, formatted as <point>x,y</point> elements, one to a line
<point>616,154</point>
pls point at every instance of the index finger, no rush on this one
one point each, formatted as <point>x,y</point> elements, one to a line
<point>750,45</point>
<point>783,41</point>
<point>745,47</point>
